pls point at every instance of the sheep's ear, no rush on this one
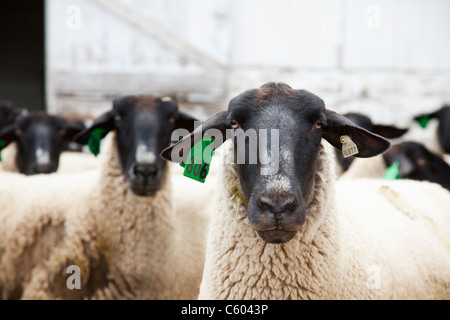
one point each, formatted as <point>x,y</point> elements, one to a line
<point>389,132</point>
<point>184,121</point>
<point>368,144</point>
<point>71,129</point>
<point>97,131</point>
<point>423,119</point>
<point>179,151</point>
<point>7,135</point>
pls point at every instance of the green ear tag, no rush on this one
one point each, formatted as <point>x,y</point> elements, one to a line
<point>94,141</point>
<point>199,160</point>
<point>391,172</point>
<point>2,145</point>
<point>423,121</point>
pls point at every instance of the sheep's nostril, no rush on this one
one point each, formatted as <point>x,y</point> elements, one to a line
<point>145,170</point>
<point>278,205</point>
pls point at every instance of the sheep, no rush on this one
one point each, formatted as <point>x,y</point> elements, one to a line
<point>121,225</point>
<point>34,142</point>
<point>443,126</point>
<point>285,235</point>
<point>414,160</point>
<point>364,121</point>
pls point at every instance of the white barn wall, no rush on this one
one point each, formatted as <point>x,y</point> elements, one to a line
<point>389,59</point>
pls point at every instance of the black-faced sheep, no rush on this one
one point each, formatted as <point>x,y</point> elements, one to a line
<point>120,225</point>
<point>34,142</point>
<point>284,234</point>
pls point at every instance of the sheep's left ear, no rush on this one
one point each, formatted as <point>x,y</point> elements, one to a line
<point>368,144</point>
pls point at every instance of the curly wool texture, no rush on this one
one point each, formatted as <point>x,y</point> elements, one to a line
<point>8,163</point>
<point>339,253</point>
<point>127,247</point>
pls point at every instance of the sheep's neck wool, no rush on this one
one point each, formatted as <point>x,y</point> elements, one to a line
<point>240,265</point>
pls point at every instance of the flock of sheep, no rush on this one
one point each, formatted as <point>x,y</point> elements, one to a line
<point>136,228</point>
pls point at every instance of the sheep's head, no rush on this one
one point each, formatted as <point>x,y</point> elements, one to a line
<point>443,117</point>
<point>416,162</point>
<point>143,126</point>
<point>284,127</point>
<point>40,139</point>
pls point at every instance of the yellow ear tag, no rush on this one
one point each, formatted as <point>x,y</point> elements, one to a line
<point>166,99</point>
<point>349,148</point>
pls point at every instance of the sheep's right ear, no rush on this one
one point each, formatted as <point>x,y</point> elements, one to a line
<point>97,131</point>
<point>178,152</point>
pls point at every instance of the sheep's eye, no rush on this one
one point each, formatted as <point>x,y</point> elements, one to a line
<point>318,124</point>
<point>172,120</point>
<point>234,124</point>
<point>62,132</point>
<point>18,132</point>
<point>117,118</point>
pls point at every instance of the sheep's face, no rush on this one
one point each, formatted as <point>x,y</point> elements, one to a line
<point>143,126</point>
<point>40,139</point>
<point>278,185</point>
<point>284,127</point>
<point>417,163</point>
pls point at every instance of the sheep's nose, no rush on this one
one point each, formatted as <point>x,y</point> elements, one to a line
<point>145,170</point>
<point>44,168</point>
<point>278,205</point>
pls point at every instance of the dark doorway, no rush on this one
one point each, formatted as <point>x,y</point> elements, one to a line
<point>22,54</point>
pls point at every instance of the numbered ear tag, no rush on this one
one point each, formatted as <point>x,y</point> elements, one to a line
<point>423,121</point>
<point>349,148</point>
<point>2,145</point>
<point>199,160</point>
<point>94,140</point>
<point>391,173</point>
<point>166,99</point>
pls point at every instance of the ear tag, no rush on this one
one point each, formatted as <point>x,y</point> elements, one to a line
<point>166,99</point>
<point>349,148</point>
<point>423,121</point>
<point>94,140</point>
<point>2,145</point>
<point>199,160</point>
<point>391,173</point>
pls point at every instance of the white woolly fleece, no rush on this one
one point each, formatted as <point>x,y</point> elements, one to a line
<point>363,245</point>
<point>127,247</point>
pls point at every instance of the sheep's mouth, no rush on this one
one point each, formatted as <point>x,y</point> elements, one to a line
<point>277,235</point>
<point>145,190</point>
